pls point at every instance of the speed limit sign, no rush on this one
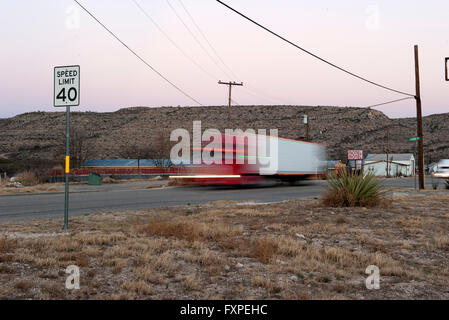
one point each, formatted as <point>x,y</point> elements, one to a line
<point>67,86</point>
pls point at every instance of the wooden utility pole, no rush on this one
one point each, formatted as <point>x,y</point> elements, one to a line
<point>307,124</point>
<point>388,151</point>
<point>419,124</point>
<point>230,84</point>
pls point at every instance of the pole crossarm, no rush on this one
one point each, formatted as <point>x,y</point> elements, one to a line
<point>233,83</point>
<point>230,84</point>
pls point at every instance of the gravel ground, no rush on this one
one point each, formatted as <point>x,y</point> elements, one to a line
<point>228,250</point>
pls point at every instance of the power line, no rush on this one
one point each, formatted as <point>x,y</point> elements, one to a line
<point>138,56</point>
<point>173,42</point>
<point>389,102</point>
<point>187,56</point>
<point>235,102</point>
<point>252,92</point>
<point>145,12</point>
<point>196,39</point>
<point>207,40</point>
<point>312,54</point>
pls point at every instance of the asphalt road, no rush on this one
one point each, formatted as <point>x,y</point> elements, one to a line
<point>135,197</point>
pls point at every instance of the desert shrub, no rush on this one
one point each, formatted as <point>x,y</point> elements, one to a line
<point>6,244</point>
<point>43,174</point>
<point>23,285</point>
<point>28,178</point>
<point>353,190</point>
<point>263,249</point>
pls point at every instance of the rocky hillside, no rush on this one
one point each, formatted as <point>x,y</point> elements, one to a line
<point>36,135</point>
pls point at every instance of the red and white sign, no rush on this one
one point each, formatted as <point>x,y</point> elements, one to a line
<point>355,155</point>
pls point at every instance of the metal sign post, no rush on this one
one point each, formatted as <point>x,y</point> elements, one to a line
<point>67,168</point>
<point>356,155</point>
<point>66,94</point>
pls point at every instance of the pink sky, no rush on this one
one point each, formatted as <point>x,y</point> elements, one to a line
<point>373,39</point>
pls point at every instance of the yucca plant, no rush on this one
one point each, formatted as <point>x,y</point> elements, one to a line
<point>353,190</point>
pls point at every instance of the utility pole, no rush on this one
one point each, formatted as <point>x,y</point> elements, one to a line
<point>305,120</point>
<point>230,84</point>
<point>307,124</point>
<point>419,124</point>
<point>388,151</point>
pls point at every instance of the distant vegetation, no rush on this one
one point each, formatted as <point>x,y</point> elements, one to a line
<point>13,167</point>
<point>109,135</point>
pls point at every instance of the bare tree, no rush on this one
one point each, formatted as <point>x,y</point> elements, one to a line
<point>81,148</point>
<point>156,149</point>
<point>135,151</point>
<point>160,150</point>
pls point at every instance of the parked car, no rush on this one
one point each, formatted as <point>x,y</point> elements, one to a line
<point>442,171</point>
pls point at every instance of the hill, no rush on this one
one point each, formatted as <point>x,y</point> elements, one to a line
<point>39,135</point>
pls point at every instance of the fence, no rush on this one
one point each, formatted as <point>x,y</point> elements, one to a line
<point>121,171</point>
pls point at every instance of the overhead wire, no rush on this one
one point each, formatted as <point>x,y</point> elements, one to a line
<point>312,54</point>
<point>196,38</point>
<point>250,90</point>
<point>389,102</point>
<point>138,56</point>
<point>145,12</point>
<point>203,35</point>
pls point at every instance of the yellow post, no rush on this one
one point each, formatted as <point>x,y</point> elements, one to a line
<point>67,164</point>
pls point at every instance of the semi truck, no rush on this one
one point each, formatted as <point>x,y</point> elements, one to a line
<point>247,159</point>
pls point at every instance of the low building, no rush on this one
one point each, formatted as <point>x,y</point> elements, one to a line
<point>398,164</point>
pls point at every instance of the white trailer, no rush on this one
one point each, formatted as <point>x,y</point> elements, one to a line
<point>295,160</point>
<point>249,158</point>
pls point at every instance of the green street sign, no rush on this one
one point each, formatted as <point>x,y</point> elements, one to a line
<point>414,139</point>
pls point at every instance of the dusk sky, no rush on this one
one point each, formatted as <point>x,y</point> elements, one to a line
<point>374,39</point>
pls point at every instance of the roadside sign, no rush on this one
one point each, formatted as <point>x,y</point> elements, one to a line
<point>66,86</point>
<point>447,69</point>
<point>355,155</point>
<point>305,119</point>
<point>414,139</point>
<point>66,94</point>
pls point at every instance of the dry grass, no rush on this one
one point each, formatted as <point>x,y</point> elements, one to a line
<point>141,288</point>
<point>264,249</point>
<point>28,178</point>
<point>40,188</point>
<point>440,242</point>
<point>292,250</point>
<point>6,244</point>
<point>343,199</point>
<point>272,287</point>
<point>23,285</point>
<point>189,230</point>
